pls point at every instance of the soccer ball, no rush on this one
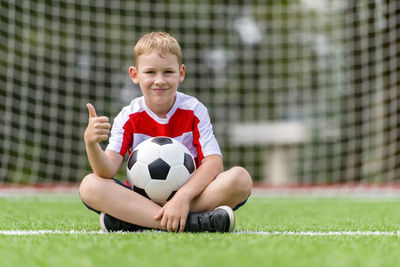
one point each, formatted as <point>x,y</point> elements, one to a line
<point>158,167</point>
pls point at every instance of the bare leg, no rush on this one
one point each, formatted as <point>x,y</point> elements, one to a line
<point>111,198</point>
<point>230,188</point>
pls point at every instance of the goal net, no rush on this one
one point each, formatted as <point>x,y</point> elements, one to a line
<point>299,92</point>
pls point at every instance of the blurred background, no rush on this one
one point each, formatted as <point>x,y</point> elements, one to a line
<point>300,92</point>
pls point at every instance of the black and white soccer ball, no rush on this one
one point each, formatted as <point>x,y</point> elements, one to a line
<point>158,167</point>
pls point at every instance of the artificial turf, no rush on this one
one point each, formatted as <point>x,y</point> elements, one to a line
<point>270,231</point>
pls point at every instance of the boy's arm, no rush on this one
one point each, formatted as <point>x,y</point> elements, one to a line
<point>104,164</point>
<point>210,167</point>
<point>174,213</point>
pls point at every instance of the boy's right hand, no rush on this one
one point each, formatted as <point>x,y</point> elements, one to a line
<point>98,127</point>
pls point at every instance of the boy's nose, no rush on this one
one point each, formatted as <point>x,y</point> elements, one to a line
<point>159,79</point>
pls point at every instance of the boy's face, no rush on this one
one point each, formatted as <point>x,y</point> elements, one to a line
<point>158,77</point>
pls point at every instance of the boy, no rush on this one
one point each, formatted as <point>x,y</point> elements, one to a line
<point>206,201</point>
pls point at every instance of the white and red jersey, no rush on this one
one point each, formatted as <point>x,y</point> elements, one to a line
<point>187,121</point>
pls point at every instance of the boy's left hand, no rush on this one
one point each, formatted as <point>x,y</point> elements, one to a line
<point>173,214</point>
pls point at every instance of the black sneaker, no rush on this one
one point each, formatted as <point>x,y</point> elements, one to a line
<point>221,219</point>
<point>109,223</point>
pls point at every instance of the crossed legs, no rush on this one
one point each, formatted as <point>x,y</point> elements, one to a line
<point>230,188</point>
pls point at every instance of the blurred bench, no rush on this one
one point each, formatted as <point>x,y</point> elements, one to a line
<point>278,138</point>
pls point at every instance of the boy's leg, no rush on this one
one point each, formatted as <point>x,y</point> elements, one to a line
<point>230,188</point>
<point>107,196</point>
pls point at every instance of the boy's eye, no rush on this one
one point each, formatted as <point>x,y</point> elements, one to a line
<point>149,71</point>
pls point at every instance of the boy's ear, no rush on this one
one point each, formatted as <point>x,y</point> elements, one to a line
<point>182,73</point>
<point>133,73</point>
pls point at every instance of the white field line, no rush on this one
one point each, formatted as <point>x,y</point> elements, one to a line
<point>42,232</point>
<point>311,233</point>
<point>262,233</point>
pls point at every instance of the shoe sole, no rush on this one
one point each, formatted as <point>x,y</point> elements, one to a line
<point>101,221</point>
<point>232,218</point>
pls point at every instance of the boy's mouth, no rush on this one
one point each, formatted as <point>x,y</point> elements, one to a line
<point>160,90</point>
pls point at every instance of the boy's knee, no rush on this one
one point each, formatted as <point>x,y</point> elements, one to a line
<point>241,180</point>
<point>87,187</point>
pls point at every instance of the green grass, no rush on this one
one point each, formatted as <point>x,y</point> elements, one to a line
<point>314,214</point>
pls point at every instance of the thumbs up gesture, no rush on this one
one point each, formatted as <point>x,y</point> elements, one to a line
<point>98,127</point>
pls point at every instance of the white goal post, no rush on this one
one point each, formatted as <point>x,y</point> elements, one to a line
<point>326,73</point>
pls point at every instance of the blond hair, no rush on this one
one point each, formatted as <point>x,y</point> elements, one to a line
<point>161,41</point>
